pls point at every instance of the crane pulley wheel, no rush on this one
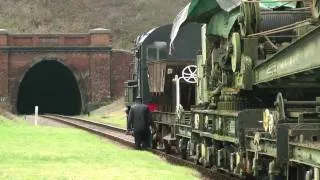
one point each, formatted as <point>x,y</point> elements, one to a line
<point>249,19</point>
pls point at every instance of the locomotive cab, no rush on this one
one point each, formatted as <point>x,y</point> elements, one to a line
<point>155,69</point>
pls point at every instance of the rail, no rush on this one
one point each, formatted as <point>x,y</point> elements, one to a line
<point>118,135</point>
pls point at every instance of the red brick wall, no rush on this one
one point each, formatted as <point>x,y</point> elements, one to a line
<point>4,70</point>
<point>100,77</point>
<point>19,64</point>
<point>4,80</point>
<point>100,73</point>
<point>55,39</point>
<point>120,71</point>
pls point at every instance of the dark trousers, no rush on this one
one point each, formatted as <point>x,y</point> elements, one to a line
<point>128,128</point>
<point>142,139</point>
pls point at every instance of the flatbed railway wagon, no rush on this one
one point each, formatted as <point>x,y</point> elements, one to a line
<point>257,95</point>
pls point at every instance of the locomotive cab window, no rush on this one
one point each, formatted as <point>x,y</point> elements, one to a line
<point>157,51</point>
<point>151,53</point>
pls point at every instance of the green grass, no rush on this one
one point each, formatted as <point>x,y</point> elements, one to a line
<point>28,152</point>
<point>117,118</point>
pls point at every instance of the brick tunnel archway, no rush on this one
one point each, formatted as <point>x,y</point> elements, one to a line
<point>52,86</point>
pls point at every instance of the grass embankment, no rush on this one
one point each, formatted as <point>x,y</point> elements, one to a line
<point>117,118</point>
<point>112,113</point>
<point>28,152</point>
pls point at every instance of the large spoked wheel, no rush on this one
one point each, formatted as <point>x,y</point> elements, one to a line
<point>189,74</point>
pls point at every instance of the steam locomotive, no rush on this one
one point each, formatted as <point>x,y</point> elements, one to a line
<point>251,107</point>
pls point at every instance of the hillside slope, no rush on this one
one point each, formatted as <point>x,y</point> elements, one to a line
<point>126,18</point>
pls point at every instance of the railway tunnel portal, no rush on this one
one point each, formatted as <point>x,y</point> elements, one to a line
<point>52,86</point>
<point>61,73</point>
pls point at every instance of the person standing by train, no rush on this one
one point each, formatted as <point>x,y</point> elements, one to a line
<point>140,120</point>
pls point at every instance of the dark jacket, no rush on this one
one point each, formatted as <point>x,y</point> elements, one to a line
<point>140,118</point>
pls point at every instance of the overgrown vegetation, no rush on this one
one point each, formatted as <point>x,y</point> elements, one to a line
<point>126,18</point>
<point>28,152</point>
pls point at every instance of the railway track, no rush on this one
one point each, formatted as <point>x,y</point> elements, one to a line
<point>118,134</point>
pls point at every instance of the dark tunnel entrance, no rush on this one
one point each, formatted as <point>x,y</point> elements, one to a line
<point>51,86</point>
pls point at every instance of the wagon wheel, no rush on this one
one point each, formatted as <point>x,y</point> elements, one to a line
<point>182,148</point>
<point>167,147</point>
<point>154,143</point>
<point>189,74</point>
